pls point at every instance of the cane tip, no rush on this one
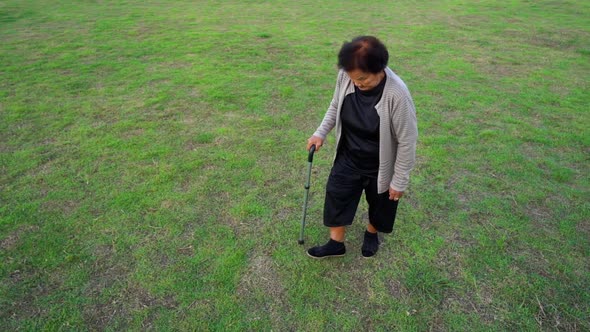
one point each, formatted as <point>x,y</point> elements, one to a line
<point>300,241</point>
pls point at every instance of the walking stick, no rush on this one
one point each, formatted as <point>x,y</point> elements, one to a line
<point>309,161</point>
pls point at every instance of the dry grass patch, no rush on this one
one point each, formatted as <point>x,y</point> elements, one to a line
<point>38,285</point>
<point>113,297</point>
<point>119,308</point>
<point>105,273</point>
<point>63,207</point>
<point>262,291</point>
<point>12,239</point>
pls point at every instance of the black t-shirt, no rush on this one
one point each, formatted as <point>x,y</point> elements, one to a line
<point>359,145</point>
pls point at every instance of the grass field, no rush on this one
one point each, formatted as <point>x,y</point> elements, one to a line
<point>152,161</point>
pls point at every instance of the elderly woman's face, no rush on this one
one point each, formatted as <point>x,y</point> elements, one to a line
<point>365,81</point>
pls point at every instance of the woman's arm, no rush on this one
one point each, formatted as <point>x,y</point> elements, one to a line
<point>406,131</point>
<point>330,118</point>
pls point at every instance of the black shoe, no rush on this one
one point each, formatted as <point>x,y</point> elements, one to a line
<point>330,249</point>
<point>370,244</point>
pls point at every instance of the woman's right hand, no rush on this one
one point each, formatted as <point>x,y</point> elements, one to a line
<point>314,140</point>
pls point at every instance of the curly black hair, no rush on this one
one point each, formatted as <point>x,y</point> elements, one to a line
<point>365,53</point>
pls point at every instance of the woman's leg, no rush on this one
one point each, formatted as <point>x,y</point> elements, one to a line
<point>343,193</point>
<point>338,233</point>
<point>371,228</point>
<point>381,217</point>
<point>382,210</point>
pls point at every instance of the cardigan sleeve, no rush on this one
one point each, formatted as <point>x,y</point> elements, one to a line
<point>329,120</point>
<point>406,131</point>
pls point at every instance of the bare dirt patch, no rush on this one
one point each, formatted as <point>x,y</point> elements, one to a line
<point>118,310</point>
<point>558,39</point>
<point>285,214</point>
<point>193,144</point>
<point>584,228</point>
<point>495,67</point>
<point>106,271</point>
<point>539,214</point>
<point>35,284</point>
<point>63,207</point>
<point>550,315</point>
<point>186,239</point>
<point>397,289</point>
<point>13,238</point>
<point>137,132</point>
<point>118,307</point>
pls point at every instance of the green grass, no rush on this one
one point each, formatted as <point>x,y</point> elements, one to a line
<point>152,165</point>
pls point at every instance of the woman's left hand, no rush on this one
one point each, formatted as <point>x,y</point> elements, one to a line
<point>395,195</point>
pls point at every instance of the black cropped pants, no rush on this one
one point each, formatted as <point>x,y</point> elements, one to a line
<point>343,193</point>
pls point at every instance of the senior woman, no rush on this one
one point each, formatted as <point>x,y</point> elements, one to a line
<point>376,132</point>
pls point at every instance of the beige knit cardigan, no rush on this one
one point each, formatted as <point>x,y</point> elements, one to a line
<point>398,129</point>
